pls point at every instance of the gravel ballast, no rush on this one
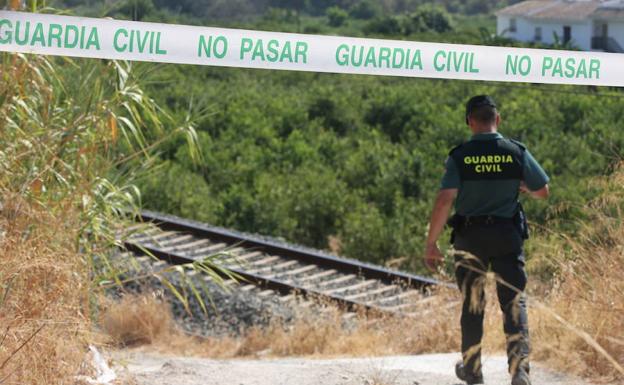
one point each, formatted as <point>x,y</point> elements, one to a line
<point>229,312</point>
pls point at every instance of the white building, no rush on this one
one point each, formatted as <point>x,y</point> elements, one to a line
<point>586,24</point>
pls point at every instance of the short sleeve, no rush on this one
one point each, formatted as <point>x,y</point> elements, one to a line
<point>534,175</point>
<point>451,176</point>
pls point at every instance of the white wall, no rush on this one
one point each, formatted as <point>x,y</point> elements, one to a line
<point>581,32</point>
<point>502,22</point>
<point>525,30</point>
<point>616,31</point>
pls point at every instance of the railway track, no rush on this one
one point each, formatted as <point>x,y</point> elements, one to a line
<point>281,268</point>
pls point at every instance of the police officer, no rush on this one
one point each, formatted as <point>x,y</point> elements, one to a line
<point>485,176</point>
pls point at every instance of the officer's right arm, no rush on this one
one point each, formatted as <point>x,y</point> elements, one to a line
<point>542,193</point>
<point>439,215</point>
<point>535,182</point>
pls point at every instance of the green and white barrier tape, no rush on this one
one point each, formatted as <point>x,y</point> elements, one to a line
<point>165,43</point>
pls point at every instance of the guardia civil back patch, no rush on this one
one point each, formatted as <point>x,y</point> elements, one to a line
<point>489,160</point>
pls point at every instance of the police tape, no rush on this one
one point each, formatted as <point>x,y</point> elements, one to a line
<point>166,43</point>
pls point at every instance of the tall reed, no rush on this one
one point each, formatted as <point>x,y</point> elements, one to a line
<point>74,135</point>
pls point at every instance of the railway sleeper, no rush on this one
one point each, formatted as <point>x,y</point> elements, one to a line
<point>265,261</point>
<point>267,293</point>
<point>240,260</point>
<point>292,273</point>
<point>335,281</point>
<point>192,245</point>
<point>211,248</point>
<point>249,287</point>
<point>221,257</point>
<point>152,239</point>
<point>396,298</point>
<point>380,291</point>
<point>174,243</point>
<point>277,267</point>
<point>138,235</point>
<point>172,238</point>
<point>139,227</point>
<point>354,287</point>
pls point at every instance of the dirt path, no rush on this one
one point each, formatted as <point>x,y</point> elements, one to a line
<point>435,369</point>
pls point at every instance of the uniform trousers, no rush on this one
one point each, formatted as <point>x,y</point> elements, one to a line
<point>499,247</point>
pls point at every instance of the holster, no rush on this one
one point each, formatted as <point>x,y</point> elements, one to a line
<point>455,222</point>
<point>520,220</point>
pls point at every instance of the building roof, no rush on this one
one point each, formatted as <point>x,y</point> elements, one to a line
<point>566,9</point>
<point>613,9</point>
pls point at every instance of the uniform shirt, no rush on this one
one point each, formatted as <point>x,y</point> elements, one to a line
<point>492,197</point>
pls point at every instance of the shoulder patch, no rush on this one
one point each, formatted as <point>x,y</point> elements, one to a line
<point>519,144</point>
<point>455,148</point>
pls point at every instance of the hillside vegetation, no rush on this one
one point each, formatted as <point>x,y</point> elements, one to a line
<point>351,163</point>
<point>248,10</point>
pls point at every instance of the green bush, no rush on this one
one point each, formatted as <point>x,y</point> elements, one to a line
<point>365,9</point>
<point>425,19</point>
<point>307,205</point>
<point>386,25</point>
<point>336,16</point>
<point>367,235</point>
<point>136,9</point>
<point>314,29</point>
<point>428,18</point>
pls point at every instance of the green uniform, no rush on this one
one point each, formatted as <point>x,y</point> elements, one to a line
<point>487,171</point>
<point>494,188</point>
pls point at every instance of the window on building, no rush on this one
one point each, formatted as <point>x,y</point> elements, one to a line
<point>538,33</point>
<point>512,25</point>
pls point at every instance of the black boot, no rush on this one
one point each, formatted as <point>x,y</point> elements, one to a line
<point>469,377</point>
<point>521,377</point>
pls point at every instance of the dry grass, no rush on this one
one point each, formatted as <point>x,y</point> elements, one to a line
<point>437,330</point>
<point>379,376</point>
<point>588,294</point>
<point>328,336</point>
<point>43,298</point>
<point>310,334</point>
<point>136,320</point>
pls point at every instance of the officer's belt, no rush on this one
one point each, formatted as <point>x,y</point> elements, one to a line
<point>484,220</point>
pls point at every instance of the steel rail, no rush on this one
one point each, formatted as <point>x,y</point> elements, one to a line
<point>269,283</point>
<point>344,265</point>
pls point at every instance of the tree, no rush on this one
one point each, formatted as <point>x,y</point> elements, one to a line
<point>429,18</point>
<point>297,6</point>
<point>387,25</point>
<point>137,9</point>
<point>336,16</point>
<point>365,9</point>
